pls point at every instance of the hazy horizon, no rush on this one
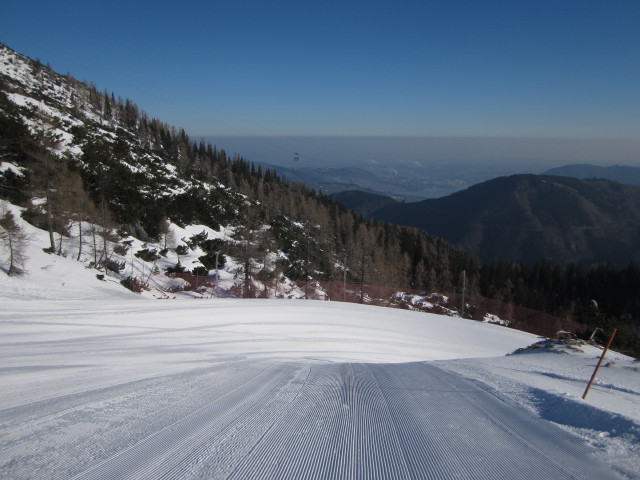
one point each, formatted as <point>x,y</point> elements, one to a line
<point>520,154</point>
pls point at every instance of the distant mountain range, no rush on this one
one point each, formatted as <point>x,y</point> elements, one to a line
<point>616,173</point>
<point>529,218</point>
<point>401,182</point>
<point>330,180</point>
<point>413,183</point>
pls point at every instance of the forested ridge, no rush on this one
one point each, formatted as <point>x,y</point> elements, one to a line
<point>73,154</point>
<point>530,218</point>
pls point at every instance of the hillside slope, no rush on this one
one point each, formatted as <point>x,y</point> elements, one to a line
<point>530,218</point>
<point>71,154</point>
<point>363,203</point>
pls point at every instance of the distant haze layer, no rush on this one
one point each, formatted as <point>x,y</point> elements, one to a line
<point>516,154</point>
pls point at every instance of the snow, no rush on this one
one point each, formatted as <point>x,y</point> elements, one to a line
<point>95,373</point>
<point>257,387</point>
<point>490,318</point>
<point>550,382</point>
<point>65,138</point>
<point>4,166</point>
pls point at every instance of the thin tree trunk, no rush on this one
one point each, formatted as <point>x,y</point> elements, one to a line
<point>95,246</point>
<point>362,267</point>
<point>52,240</point>
<point>104,237</point>
<point>10,238</point>
<point>80,239</point>
<point>48,197</point>
<point>104,251</point>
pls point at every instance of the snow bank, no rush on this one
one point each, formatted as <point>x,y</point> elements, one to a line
<point>550,381</point>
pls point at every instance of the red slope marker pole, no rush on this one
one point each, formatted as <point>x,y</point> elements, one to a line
<point>604,352</point>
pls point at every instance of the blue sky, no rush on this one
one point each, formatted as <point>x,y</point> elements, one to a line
<point>532,69</point>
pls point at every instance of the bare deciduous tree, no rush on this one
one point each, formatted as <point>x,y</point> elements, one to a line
<point>14,239</point>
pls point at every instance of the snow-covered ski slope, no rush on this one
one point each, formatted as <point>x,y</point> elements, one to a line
<point>98,382</point>
<point>293,420</point>
<point>137,388</point>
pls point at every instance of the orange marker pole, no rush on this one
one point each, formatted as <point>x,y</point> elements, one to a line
<point>604,352</point>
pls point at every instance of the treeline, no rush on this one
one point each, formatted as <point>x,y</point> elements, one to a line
<point>597,296</point>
